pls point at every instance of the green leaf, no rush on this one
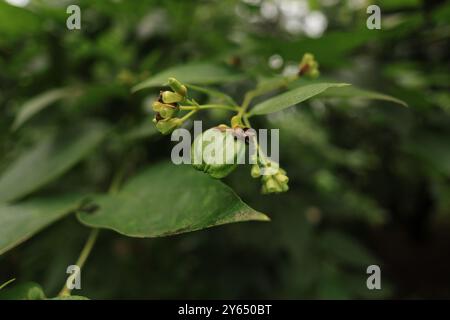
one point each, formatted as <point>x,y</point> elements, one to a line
<point>50,158</point>
<point>167,199</point>
<point>292,97</point>
<point>23,291</point>
<point>17,22</point>
<point>195,73</point>
<point>270,84</point>
<point>38,103</point>
<point>357,93</point>
<point>18,222</point>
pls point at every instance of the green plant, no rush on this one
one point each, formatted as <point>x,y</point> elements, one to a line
<point>79,151</point>
<point>124,209</point>
<point>170,103</point>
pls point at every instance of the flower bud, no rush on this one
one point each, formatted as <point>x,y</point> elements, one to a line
<point>275,183</point>
<point>271,186</point>
<point>168,111</point>
<point>166,126</point>
<point>236,121</point>
<point>177,87</point>
<point>256,171</point>
<point>165,111</point>
<point>281,178</point>
<point>308,66</point>
<point>170,97</point>
<point>216,151</point>
<point>156,106</point>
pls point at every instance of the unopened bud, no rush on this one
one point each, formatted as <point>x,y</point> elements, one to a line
<point>236,121</point>
<point>170,97</point>
<point>308,66</point>
<point>272,186</point>
<point>177,87</point>
<point>256,171</point>
<point>166,126</point>
<point>282,179</point>
<point>168,111</point>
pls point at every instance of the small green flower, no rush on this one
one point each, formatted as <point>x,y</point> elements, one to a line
<point>309,66</point>
<point>171,97</point>
<point>216,151</point>
<point>166,126</point>
<point>275,183</point>
<point>255,171</point>
<point>236,122</point>
<point>166,111</point>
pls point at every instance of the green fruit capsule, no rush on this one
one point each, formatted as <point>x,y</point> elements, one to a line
<point>216,151</point>
<point>166,126</point>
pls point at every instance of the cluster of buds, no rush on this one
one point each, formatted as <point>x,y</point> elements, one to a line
<point>273,183</point>
<point>218,150</point>
<point>166,107</point>
<point>308,66</point>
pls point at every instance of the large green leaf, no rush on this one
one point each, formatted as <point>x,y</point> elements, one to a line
<point>357,93</point>
<point>195,73</point>
<point>167,199</point>
<point>38,103</point>
<point>18,222</point>
<point>51,157</point>
<point>292,97</point>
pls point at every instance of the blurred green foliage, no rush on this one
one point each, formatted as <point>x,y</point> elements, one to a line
<point>369,180</point>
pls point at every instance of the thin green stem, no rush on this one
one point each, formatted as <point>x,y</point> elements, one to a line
<point>6,283</point>
<point>65,291</point>
<point>246,121</point>
<point>246,103</point>
<point>190,114</point>
<point>210,106</point>
<point>93,235</point>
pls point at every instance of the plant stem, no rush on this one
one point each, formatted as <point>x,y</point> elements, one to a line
<point>6,283</point>
<point>246,103</point>
<point>65,291</point>
<point>190,114</point>
<point>210,106</point>
<point>246,121</point>
<point>93,235</point>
